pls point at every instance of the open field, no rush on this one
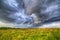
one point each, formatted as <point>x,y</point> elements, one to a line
<point>30,34</point>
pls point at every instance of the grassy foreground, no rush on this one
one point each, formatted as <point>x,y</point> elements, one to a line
<point>30,34</point>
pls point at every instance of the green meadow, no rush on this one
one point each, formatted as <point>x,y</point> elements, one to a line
<point>30,34</point>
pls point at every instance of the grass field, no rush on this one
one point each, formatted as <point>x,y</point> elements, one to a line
<point>30,34</point>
